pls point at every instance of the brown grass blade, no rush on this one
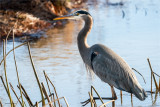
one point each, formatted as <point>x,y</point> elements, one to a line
<point>91,99</point>
<point>37,104</point>
<point>49,87</point>
<point>54,89</point>
<point>4,85</point>
<point>1,104</point>
<point>26,95</point>
<point>15,94</point>
<point>7,86</point>
<point>12,50</point>
<point>155,98</point>
<point>45,98</point>
<point>159,84</point>
<point>106,103</point>
<point>152,74</point>
<point>58,100</point>
<point>45,93</point>
<point>92,88</point>
<point>40,87</point>
<point>140,75</point>
<point>17,72</point>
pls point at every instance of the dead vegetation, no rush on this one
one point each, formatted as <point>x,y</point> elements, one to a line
<point>31,15</point>
<point>52,97</point>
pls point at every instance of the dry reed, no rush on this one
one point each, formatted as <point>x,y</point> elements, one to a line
<point>152,74</point>
<point>21,88</point>
<point>35,73</point>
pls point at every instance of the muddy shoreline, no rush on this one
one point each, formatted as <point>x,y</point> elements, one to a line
<point>32,16</point>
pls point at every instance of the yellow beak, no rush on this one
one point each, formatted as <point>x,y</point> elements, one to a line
<point>64,17</point>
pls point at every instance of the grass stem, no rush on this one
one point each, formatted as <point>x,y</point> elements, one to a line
<point>152,74</point>
<point>17,72</point>
<point>7,86</point>
<point>43,101</point>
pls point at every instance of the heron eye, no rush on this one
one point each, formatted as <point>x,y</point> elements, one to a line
<point>76,14</point>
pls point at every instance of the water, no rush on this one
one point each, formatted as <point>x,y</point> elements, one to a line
<point>131,30</point>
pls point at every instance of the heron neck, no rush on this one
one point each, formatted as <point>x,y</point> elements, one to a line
<point>82,38</point>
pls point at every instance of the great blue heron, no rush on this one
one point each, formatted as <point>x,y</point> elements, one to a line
<point>104,62</point>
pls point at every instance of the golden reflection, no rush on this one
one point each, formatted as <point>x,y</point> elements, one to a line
<point>59,42</point>
<point>65,35</point>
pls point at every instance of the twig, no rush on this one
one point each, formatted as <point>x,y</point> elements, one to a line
<point>8,91</point>
<point>155,99</point>
<point>58,100</point>
<point>4,85</point>
<point>140,75</point>
<point>15,94</point>
<point>44,99</point>
<point>159,84</point>
<point>37,104</point>
<point>153,75</point>
<point>49,87</point>
<point>26,95</point>
<point>92,88</point>
<point>106,103</point>
<point>1,104</point>
<point>47,83</point>
<point>91,99</point>
<point>54,99</point>
<point>156,74</point>
<point>40,87</point>
<point>45,93</point>
<point>12,50</point>
<point>17,72</point>
<point>54,89</point>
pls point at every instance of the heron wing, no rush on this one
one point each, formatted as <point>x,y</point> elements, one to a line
<point>111,68</point>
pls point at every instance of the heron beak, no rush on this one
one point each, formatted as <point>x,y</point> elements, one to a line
<point>64,17</point>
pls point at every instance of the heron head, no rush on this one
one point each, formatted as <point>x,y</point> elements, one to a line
<point>76,15</point>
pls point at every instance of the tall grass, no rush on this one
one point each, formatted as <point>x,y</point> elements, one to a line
<point>23,94</point>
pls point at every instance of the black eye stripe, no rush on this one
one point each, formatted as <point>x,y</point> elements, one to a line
<point>82,12</point>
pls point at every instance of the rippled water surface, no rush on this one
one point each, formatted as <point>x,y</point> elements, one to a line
<point>131,30</point>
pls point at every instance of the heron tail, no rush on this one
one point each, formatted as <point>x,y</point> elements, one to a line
<point>140,93</point>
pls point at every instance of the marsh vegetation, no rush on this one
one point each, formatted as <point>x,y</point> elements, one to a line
<point>131,30</point>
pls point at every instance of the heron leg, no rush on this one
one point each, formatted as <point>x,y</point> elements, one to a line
<point>114,96</point>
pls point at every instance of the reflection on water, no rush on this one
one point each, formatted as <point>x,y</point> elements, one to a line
<point>131,30</point>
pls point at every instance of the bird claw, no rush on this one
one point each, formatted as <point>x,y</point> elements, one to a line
<point>84,103</point>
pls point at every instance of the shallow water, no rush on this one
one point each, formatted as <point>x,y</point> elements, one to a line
<point>131,30</point>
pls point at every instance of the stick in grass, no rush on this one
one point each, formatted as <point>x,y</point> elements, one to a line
<point>40,87</point>
<point>152,74</point>
<point>26,95</point>
<point>1,104</point>
<point>7,86</point>
<point>11,51</point>
<point>15,94</point>
<point>46,94</point>
<point>17,72</point>
<point>54,89</point>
